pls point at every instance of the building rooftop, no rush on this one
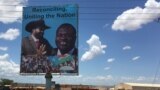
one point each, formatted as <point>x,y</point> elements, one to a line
<point>143,84</point>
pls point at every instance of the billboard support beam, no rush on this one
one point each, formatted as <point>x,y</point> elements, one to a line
<point>48,77</point>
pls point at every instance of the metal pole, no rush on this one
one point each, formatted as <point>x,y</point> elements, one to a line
<point>48,77</point>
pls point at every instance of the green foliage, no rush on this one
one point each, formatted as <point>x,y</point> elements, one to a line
<point>6,82</point>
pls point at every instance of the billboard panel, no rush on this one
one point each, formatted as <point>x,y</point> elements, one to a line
<point>49,40</point>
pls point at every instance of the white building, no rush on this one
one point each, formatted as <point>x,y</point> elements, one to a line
<point>137,86</point>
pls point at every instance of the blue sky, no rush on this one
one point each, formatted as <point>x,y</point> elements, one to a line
<point>119,41</point>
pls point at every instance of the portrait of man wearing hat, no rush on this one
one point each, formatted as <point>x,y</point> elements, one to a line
<point>35,46</point>
<point>32,43</point>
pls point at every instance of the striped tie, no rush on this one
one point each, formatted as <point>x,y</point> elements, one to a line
<point>38,44</point>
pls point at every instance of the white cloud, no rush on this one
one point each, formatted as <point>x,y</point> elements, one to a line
<point>10,34</point>
<point>88,80</point>
<point>135,58</point>
<point>11,10</point>
<point>108,77</point>
<point>3,48</point>
<point>133,19</point>
<point>124,79</point>
<point>79,76</point>
<point>106,25</point>
<point>95,48</point>
<point>141,78</point>
<point>126,48</point>
<point>110,60</point>
<point>7,66</point>
<point>10,70</point>
<point>4,57</point>
<point>137,79</point>
<point>97,80</point>
<point>106,68</point>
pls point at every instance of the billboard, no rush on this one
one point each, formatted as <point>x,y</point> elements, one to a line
<point>49,40</point>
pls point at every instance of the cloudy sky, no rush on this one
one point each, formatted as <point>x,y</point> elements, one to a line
<point>119,41</point>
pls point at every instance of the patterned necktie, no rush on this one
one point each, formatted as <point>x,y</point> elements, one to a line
<point>38,44</point>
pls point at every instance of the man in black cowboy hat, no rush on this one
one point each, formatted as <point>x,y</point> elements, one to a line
<point>35,47</point>
<point>36,41</point>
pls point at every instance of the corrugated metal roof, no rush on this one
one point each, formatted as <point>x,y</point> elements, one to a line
<point>143,84</point>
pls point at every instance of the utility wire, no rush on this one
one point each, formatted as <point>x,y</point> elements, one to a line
<point>78,1</point>
<point>81,0</point>
<point>92,7</point>
<point>157,69</point>
<point>91,18</point>
<point>92,13</point>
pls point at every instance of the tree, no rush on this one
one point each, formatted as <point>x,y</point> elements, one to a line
<point>6,82</point>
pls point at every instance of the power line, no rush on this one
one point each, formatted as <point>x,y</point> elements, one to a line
<point>91,12</point>
<point>81,0</point>
<point>116,13</point>
<point>95,13</point>
<point>108,7</point>
<point>93,18</point>
<point>157,69</point>
<point>77,1</point>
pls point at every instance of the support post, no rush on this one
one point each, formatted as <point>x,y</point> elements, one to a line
<point>48,77</point>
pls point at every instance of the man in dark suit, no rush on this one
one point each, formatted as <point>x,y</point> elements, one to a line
<point>31,44</point>
<point>66,51</point>
<point>65,39</point>
<point>35,49</point>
